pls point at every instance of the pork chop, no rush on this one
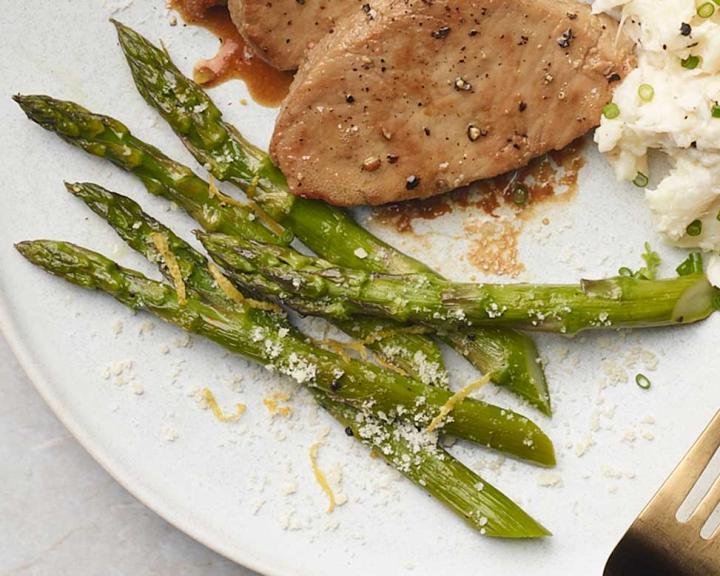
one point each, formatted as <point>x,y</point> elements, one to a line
<point>281,30</point>
<point>412,98</point>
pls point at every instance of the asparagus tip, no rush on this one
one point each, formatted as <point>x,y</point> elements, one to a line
<point>77,189</point>
<point>26,101</point>
<point>124,32</point>
<point>37,108</point>
<point>23,101</point>
<point>82,189</point>
<point>31,249</point>
<point>23,247</point>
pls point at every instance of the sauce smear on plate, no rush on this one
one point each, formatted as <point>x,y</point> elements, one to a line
<point>551,177</point>
<point>235,59</point>
<point>494,211</point>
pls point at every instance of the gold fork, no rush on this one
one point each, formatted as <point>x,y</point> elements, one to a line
<point>657,544</point>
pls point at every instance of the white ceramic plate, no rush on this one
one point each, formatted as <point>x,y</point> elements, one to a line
<point>246,489</point>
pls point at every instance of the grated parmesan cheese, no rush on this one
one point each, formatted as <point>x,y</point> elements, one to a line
<point>549,480</point>
<point>169,433</point>
<point>117,327</point>
<point>145,327</point>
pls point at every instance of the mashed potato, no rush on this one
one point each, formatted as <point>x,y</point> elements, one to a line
<point>671,103</point>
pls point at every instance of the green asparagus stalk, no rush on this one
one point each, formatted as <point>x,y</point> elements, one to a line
<point>108,138</point>
<point>428,466</point>
<point>447,479</point>
<point>138,230</point>
<point>331,233</point>
<point>519,368</point>
<point>619,302</point>
<point>254,333</point>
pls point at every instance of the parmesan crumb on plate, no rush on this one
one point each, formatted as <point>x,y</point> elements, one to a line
<point>169,433</point>
<point>549,480</point>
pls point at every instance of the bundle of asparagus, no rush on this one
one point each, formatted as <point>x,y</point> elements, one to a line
<point>509,356</point>
<point>362,396</point>
<point>266,336</point>
<point>371,397</point>
<point>367,288</point>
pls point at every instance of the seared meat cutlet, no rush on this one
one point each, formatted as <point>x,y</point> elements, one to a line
<point>412,98</point>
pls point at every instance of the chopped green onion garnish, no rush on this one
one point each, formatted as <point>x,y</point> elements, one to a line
<point>611,111</point>
<point>520,194</point>
<point>652,263</point>
<point>715,111</point>
<point>694,228</point>
<point>642,381</point>
<point>691,62</point>
<point>647,272</point>
<point>641,180</point>
<point>706,10</point>
<point>716,300</point>
<point>693,264</point>
<point>646,92</point>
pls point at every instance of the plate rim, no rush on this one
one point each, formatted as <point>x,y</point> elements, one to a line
<point>148,497</point>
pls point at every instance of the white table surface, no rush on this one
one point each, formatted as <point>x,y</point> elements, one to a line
<point>60,513</point>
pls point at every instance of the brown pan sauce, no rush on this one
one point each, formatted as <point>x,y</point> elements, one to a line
<point>235,59</point>
<point>493,239</point>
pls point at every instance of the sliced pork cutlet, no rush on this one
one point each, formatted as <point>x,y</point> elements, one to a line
<point>412,98</point>
<point>280,31</point>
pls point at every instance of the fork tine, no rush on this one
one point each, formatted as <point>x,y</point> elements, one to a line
<point>706,507</point>
<point>678,485</point>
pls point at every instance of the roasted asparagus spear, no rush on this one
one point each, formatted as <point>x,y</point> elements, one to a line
<point>619,302</point>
